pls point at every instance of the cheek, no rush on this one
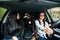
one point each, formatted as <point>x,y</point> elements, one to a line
<point>17,17</point>
<point>42,17</point>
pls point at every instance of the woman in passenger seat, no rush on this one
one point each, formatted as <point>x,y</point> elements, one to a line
<point>41,25</point>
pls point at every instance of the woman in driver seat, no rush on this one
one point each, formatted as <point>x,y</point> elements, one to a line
<point>42,27</point>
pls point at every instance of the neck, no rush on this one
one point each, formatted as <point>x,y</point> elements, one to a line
<point>41,20</point>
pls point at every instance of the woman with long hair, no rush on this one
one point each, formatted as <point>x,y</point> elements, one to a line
<point>41,25</point>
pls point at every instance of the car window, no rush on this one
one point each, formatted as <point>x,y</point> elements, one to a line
<point>55,13</point>
<point>2,12</point>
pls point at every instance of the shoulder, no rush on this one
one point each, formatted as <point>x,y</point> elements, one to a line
<point>36,21</point>
<point>46,22</point>
<point>21,21</point>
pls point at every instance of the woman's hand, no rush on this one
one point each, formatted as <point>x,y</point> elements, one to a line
<point>14,38</point>
<point>49,25</point>
<point>48,30</point>
<point>34,32</point>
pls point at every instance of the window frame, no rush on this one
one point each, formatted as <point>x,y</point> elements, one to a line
<point>50,14</point>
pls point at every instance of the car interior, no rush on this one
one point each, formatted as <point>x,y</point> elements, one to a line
<point>31,7</point>
<point>9,26</point>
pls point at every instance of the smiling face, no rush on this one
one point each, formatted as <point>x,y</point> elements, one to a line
<point>41,16</point>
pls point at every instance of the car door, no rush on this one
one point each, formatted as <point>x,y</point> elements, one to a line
<point>55,15</point>
<point>2,13</point>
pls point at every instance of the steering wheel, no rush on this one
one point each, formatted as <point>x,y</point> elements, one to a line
<point>56,28</point>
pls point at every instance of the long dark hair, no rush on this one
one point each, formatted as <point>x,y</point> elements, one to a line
<point>43,19</point>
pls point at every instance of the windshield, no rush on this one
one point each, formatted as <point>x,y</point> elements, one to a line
<point>55,13</point>
<point>2,12</point>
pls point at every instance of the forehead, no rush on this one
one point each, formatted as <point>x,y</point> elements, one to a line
<point>42,13</point>
<point>18,14</point>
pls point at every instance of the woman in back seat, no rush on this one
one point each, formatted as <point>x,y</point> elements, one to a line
<point>15,27</point>
<point>28,26</point>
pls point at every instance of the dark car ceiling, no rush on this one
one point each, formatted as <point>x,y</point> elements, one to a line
<point>29,6</point>
<point>55,0</point>
<point>32,0</point>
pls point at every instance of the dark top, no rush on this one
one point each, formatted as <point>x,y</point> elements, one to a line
<point>14,28</point>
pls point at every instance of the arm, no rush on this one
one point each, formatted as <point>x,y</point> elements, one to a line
<point>46,24</point>
<point>47,29</point>
<point>38,25</point>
